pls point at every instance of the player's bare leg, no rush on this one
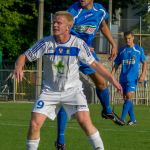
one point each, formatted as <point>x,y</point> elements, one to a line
<point>33,136</point>
<point>83,117</point>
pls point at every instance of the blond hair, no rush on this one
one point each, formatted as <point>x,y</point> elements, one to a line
<point>67,15</point>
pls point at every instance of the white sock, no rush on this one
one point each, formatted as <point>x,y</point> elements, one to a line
<point>32,144</point>
<point>96,141</point>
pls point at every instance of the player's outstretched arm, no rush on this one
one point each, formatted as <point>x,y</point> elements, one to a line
<point>106,74</point>
<point>105,30</point>
<point>18,71</point>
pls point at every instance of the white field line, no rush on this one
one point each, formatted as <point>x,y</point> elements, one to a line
<point>72,127</point>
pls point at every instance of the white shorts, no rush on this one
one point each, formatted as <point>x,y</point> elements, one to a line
<point>50,104</point>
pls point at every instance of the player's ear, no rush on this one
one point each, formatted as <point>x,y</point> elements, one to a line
<point>133,37</point>
<point>68,28</point>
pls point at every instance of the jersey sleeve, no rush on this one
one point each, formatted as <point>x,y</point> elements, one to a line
<point>73,9</point>
<point>101,8</point>
<point>84,54</point>
<point>106,16</point>
<point>36,51</point>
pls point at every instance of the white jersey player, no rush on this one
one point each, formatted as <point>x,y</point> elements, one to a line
<point>61,85</point>
<point>60,70</point>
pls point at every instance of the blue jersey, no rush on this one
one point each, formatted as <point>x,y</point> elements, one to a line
<point>130,59</point>
<point>87,22</point>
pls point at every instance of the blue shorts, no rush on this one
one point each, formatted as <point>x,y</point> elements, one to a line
<point>86,69</point>
<point>129,86</point>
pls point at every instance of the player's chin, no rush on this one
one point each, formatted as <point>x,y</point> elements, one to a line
<point>83,5</point>
<point>56,33</point>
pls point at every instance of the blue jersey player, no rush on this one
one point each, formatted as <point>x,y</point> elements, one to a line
<point>129,57</point>
<point>89,17</point>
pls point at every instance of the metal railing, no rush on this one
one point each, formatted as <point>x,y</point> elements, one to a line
<point>10,90</point>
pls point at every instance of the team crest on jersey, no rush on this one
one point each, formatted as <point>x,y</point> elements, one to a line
<point>133,57</point>
<point>60,50</point>
<point>68,51</point>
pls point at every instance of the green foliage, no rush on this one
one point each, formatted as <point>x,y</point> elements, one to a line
<point>17,29</point>
<point>143,6</point>
<point>18,21</point>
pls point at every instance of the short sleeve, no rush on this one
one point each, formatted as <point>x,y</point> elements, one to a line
<point>73,9</point>
<point>85,54</point>
<point>36,51</point>
<point>106,13</point>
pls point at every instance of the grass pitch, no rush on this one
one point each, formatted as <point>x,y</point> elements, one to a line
<point>14,119</point>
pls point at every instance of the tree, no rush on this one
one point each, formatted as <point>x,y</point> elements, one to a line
<point>18,21</point>
<point>17,27</point>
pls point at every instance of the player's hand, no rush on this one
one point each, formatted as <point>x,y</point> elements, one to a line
<point>119,89</point>
<point>141,79</point>
<point>113,53</point>
<point>91,49</point>
<point>18,74</point>
<point>118,86</point>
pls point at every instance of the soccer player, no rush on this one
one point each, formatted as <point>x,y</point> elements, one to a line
<point>61,84</point>
<point>129,57</point>
<point>88,18</point>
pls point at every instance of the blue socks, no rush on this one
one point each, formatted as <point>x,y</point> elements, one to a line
<point>103,96</point>
<point>61,125</point>
<point>128,109</point>
<point>131,113</point>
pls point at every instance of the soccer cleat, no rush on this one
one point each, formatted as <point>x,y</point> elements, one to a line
<point>60,146</point>
<point>130,123</point>
<point>112,116</point>
<point>98,148</point>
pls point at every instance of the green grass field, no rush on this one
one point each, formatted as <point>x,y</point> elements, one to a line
<point>14,118</point>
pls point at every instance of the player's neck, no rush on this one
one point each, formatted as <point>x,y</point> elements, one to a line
<point>62,38</point>
<point>88,7</point>
<point>132,45</point>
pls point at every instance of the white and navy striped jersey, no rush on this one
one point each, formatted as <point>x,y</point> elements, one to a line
<point>60,62</point>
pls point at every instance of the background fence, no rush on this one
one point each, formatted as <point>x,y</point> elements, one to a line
<point>10,90</point>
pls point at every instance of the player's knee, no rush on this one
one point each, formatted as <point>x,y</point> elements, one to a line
<point>130,95</point>
<point>99,81</point>
<point>34,126</point>
<point>84,121</point>
<point>101,85</point>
